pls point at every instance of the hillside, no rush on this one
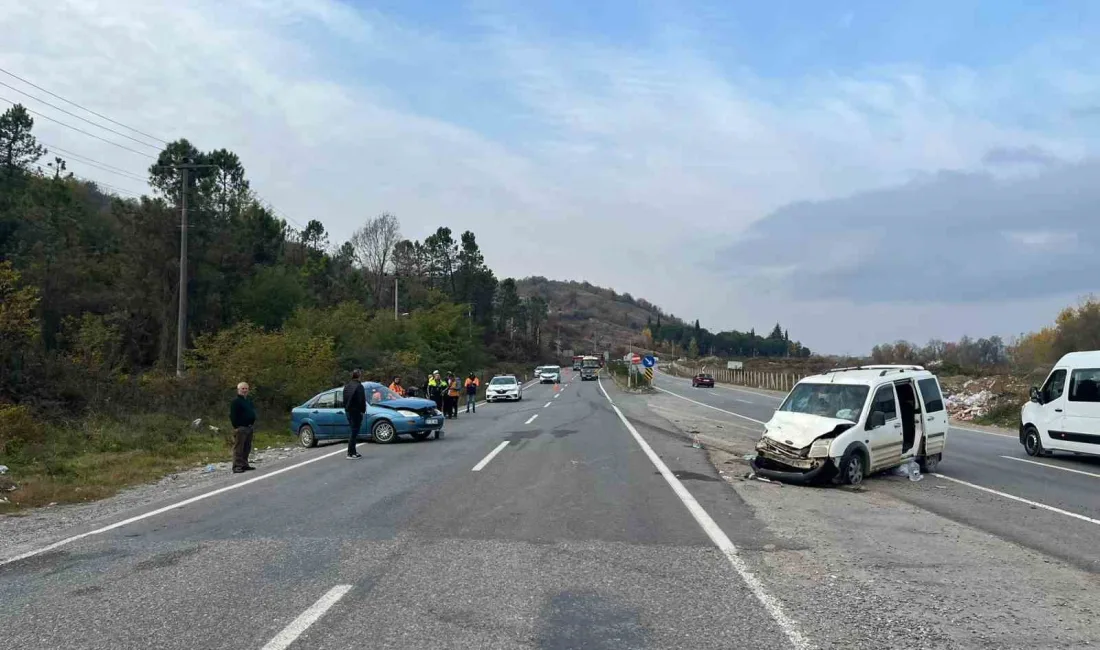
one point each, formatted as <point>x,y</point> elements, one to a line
<point>585,317</point>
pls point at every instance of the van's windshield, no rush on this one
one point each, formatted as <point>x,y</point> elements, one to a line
<point>840,401</point>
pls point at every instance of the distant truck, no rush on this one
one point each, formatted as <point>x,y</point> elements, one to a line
<point>578,362</point>
<point>589,361</point>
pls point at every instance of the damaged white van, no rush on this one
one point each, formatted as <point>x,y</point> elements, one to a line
<point>850,422</point>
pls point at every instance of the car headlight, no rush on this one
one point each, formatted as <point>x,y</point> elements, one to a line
<point>820,448</point>
<point>408,414</point>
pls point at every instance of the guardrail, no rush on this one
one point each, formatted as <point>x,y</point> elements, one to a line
<point>777,381</point>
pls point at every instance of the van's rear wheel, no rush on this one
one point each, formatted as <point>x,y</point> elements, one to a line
<point>928,464</point>
<point>1033,444</point>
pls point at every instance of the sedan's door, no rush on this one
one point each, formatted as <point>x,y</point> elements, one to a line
<point>935,416</point>
<point>324,414</point>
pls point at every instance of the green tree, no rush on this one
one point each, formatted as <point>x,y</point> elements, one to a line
<point>269,297</point>
<point>693,349</point>
<point>19,149</point>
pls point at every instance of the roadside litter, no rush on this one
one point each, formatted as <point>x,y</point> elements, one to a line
<point>3,469</point>
<point>209,468</point>
<point>911,470</point>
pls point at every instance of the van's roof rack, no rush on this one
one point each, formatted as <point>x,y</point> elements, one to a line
<point>885,368</point>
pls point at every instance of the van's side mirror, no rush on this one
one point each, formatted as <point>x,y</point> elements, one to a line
<point>877,419</point>
<point>1035,395</point>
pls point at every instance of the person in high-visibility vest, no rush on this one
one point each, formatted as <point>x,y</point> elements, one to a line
<point>436,388</point>
<point>397,387</point>
<point>452,394</point>
<point>471,393</point>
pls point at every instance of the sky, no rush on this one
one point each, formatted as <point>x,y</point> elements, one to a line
<point>859,171</point>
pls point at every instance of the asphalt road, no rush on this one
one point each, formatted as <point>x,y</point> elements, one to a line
<point>568,535</point>
<point>1048,504</point>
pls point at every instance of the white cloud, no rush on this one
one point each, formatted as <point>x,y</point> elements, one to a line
<point>656,150</point>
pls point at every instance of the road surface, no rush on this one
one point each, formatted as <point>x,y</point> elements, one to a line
<point>567,535</point>
<point>1049,504</point>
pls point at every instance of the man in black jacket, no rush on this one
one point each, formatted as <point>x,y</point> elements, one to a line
<point>355,405</point>
<point>242,415</point>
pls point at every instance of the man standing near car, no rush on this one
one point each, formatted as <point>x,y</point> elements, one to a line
<point>355,405</point>
<point>242,416</point>
<point>471,393</point>
<point>435,390</point>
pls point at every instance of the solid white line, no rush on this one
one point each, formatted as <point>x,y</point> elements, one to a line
<point>158,511</point>
<point>547,404</point>
<point>531,419</point>
<point>299,625</point>
<point>738,415</point>
<point>717,536</point>
<point>988,433</point>
<point>1034,504</point>
<point>1064,469</point>
<point>485,461</point>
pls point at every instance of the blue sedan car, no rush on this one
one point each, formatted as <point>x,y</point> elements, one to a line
<point>388,415</point>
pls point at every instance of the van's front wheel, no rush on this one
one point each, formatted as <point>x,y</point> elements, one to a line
<point>1033,444</point>
<point>852,468</point>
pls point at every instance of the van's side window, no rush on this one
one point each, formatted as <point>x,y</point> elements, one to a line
<point>1084,385</point>
<point>1055,386</point>
<point>930,390</point>
<point>885,403</point>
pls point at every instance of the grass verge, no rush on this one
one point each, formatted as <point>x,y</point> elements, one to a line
<point>97,457</point>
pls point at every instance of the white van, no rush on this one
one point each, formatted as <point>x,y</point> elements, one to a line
<point>1064,415</point>
<point>851,422</point>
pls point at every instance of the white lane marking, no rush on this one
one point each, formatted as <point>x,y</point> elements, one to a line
<point>531,419</point>
<point>737,415</point>
<point>485,461</point>
<point>717,536</point>
<point>556,395</point>
<point>1034,504</point>
<point>299,625</point>
<point>159,511</point>
<point>988,433</point>
<point>1064,469</point>
<point>743,401</point>
<point>547,404</point>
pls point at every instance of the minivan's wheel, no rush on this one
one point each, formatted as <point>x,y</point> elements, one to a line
<point>306,437</point>
<point>1033,444</point>
<point>928,464</point>
<point>852,468</point>
<point>383,432</point>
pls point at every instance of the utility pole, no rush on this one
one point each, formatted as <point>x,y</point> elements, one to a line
<point>181,323</point>
<point>395,298</point>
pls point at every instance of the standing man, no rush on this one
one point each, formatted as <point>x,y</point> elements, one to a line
<point>471,393</point>
<point>242,415</point>
<point>436,388</point>
<point>355,405</point>
<point>453,393</point>
<point>397,387</point>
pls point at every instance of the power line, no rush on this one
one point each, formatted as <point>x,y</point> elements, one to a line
<point>67,101</point>
<point>120,190</point>
<point>83,119</point>
<point>95,163</point>
<point>79,130</point>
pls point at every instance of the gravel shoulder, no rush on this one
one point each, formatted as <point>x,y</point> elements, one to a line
<point>39,527</point>
<point>864,569</point>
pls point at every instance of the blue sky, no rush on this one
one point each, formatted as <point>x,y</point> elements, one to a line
<point>713,149</point>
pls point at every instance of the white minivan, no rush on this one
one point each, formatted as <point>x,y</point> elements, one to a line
<point>1064,415</point>
<point>850,422</point>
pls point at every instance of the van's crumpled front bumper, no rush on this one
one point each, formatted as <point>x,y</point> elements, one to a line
<point>785,464</point>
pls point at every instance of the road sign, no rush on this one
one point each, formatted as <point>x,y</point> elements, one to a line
<point>635,358</point>
<point>649,374</point>
<point>649,361</point>
<point>734,365</point>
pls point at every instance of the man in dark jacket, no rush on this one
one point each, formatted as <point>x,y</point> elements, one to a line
<point>242,415</point>
<point>355,405</point>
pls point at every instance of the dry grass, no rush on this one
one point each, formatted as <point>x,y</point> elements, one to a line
<point>96,459</point>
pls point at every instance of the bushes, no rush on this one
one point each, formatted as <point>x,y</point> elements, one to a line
<point>18,429</point>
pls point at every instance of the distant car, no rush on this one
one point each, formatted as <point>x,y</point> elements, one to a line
<point>503,387</point>
<point>550,375</point>
<point>388,416</point>
<point>589,374</point>
<point>702,379</point>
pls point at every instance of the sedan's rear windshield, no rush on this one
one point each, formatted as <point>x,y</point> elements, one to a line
<point>841,401</point>
<point>705,376</point>
<point>502,380</point>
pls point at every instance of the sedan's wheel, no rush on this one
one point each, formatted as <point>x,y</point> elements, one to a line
<point>383,432</point>
<point>1033,444</point>
<point>421,436</point>
<point>851,468</point>
<point>306,437</point>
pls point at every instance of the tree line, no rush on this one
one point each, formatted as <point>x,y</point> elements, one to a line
<point>694,341</point>
<point>89,289</point>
